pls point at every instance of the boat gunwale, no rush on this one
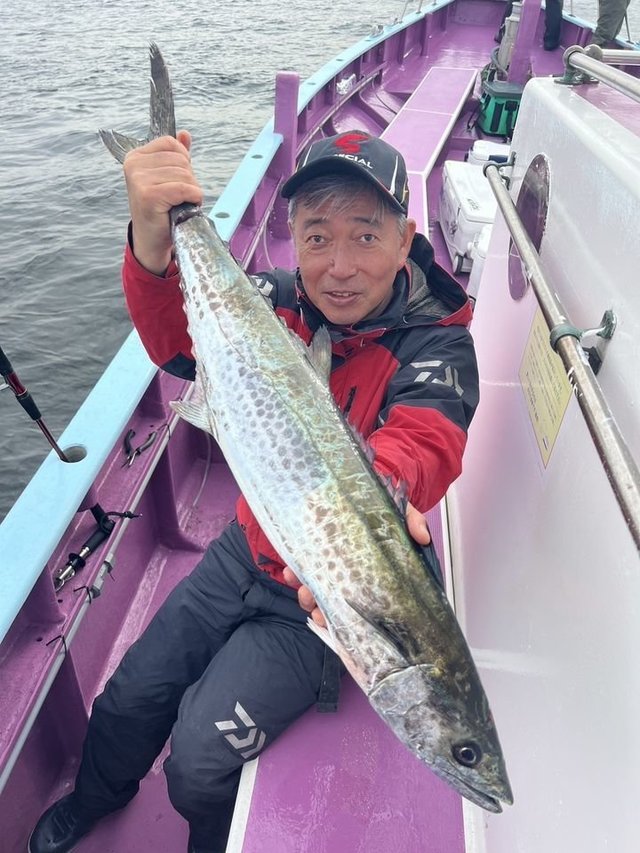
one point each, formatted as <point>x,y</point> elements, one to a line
<point>54,494</point>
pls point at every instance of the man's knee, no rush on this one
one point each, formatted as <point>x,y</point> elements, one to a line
<point>200,771</point>
<point>193,792</point>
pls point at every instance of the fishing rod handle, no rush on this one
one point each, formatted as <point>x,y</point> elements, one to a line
<point>22,395</point>
<point>28,403</point>
<point>5,364</point>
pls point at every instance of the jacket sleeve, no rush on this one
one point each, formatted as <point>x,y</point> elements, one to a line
<point>428,407</point>
<point>155,305</point>
<point>156,309</point>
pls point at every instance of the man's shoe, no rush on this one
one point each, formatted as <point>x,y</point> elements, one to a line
<point>60,828</point>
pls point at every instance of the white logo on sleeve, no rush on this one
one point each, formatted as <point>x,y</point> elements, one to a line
<point>264,285</point>
<point>450,375</point>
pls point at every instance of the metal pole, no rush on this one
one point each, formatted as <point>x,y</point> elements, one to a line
<point>619,465</point>
<point>594,62</point>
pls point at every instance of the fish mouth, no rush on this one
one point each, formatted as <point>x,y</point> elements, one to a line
<point>480,798</point>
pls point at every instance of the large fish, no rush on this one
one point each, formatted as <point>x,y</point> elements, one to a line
<point>264,396</point>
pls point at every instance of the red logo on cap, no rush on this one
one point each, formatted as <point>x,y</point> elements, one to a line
<point>349,143</point>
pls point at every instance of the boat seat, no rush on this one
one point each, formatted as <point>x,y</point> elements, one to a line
<point>343,782</point>
<point>422,127</point>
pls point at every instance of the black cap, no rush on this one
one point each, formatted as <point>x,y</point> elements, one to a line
<point>357,153</point>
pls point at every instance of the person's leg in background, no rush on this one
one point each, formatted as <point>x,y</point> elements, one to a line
<point>552,24</point>
<point>611,14</point>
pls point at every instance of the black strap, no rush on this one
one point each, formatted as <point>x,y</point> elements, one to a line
<point>329,692</point>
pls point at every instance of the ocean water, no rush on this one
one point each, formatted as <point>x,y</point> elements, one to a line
<point>68,69</point>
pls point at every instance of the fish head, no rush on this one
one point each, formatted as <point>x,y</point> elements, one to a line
<point>443,717</point>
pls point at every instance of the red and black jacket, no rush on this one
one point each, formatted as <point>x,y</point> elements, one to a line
<point>407,381</point>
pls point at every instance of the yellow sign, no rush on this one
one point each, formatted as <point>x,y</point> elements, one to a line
<point>546,387</point>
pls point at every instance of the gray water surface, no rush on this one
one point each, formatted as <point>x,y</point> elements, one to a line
<point>69,68</point>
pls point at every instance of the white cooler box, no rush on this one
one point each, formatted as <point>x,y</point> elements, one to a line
<point>484,150</point>
<point>466,205</point>
<point>478,251</point>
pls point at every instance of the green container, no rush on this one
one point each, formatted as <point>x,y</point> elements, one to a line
<point>499,106</point>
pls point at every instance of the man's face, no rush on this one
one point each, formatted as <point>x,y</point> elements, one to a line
<point>349,259</point>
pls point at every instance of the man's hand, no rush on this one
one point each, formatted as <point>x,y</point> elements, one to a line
<point>417,525</point>
<point>305,598</point>
<point>158,176</point>
<point>418,530</point>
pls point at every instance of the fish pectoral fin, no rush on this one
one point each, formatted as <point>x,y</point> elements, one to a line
<point>395,633</point>
<point>197,414</point>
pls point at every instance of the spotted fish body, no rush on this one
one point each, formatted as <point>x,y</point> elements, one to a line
<point>265,398</point>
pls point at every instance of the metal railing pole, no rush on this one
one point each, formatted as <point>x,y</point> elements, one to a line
<point>619,464</point>
<point>595,63</point>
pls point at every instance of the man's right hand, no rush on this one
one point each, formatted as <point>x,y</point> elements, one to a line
<point>159,176</point>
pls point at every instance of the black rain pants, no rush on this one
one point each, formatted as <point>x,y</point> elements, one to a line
<point>226,664</point>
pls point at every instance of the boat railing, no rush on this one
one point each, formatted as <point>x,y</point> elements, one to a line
<point>591,64</point>
<point>565,339</point>
<point>417,3</point>
<point>50,501</point>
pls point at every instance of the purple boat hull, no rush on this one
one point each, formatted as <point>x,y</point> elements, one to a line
<point>339,783</point>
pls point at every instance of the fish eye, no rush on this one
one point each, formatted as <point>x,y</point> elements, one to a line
<point>468,754</point>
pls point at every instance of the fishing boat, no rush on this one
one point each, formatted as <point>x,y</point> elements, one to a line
<point>524,170</point>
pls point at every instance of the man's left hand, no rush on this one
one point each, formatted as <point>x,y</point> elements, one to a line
<point>417,525</point>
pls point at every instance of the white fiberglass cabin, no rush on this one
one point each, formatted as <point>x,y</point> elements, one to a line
<point>545,568</point>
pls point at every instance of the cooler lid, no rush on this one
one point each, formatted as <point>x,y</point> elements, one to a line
<point>484,149</point>
<point>471,189</point>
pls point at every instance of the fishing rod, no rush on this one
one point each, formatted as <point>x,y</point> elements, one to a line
<point>26,401</point>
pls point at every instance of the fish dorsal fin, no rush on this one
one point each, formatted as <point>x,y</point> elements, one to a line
<point>319,353</point>
<point>400,496</point>
<point>430,557</point>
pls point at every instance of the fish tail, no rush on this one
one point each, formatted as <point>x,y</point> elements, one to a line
<point>161,109</point>
<point>162,119</point>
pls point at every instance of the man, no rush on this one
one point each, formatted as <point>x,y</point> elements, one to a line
<point>231,641</point>
<point>611,15</point>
